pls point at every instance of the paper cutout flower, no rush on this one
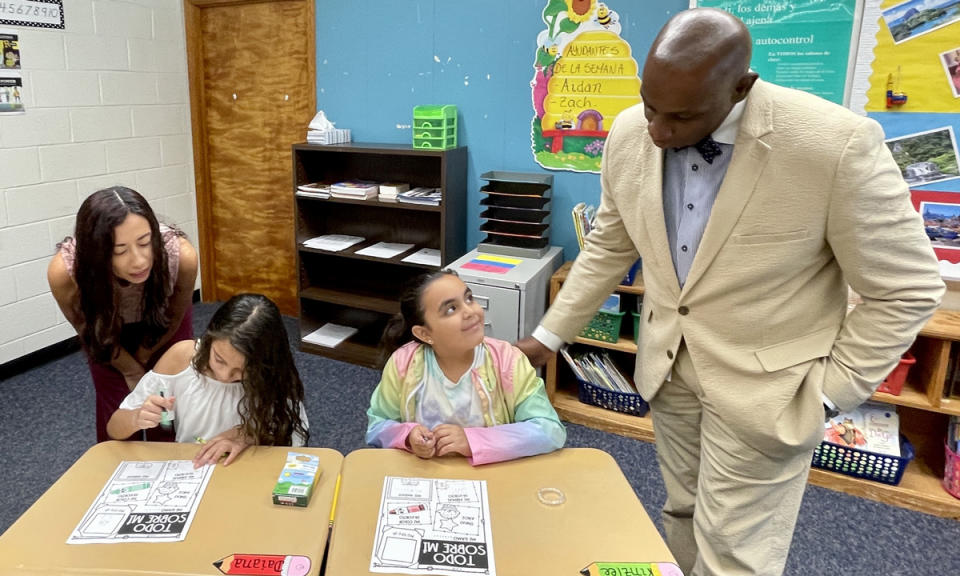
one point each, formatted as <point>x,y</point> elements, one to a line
<point>580,10</point>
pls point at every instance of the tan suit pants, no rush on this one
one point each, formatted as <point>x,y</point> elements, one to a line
<point>730,509</point>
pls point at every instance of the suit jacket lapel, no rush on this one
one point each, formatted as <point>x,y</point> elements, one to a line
<point>750,155</point>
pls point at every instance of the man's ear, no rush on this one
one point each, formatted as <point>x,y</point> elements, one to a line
<point>421,333</point>
<point>743,86</point>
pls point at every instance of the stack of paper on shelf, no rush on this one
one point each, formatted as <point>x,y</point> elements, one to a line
<point>384,250</point>
<point>428,256</point>
<point>330,335</point>
<point>332,242</point>
<point>355,189</point>
<point>390,190</point>
<point>872,427</point>
<point>314,190</point>
<point>421,195</point>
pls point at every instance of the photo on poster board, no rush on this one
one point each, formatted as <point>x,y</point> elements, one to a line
<point>926,157</point>
<point>11,90</point>
<point>951,65</point>
<point>9,51</point>
<point>915,18</point>
<point>941,221</point>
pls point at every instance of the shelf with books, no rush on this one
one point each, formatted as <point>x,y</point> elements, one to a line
<point>923,413</point>
<point>356,289</point>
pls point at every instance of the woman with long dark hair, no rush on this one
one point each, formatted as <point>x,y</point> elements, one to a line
<point>237,386</point>
<point>125,282</point>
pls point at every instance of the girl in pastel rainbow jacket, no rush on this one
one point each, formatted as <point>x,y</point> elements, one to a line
<point>453,391</point>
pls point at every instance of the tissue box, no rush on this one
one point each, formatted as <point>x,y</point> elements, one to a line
<point>296,481</point>
<point>334,136</point>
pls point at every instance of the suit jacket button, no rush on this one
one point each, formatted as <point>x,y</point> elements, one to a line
<point>683,310</point>
<point>670,354</point>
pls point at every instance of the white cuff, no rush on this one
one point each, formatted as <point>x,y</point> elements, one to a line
<point>827,402</point>
<point>547,338</point>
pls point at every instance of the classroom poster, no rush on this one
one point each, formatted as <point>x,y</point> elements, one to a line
<point>433,526</point>
<point>584,76</point>
<point>907,79</point>
<point>11,80</point>
<point>802,44</point>
<point>144,502</point>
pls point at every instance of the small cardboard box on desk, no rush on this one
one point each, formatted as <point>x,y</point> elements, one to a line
<point>296,481</point>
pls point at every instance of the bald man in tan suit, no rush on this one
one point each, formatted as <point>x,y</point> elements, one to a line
<point>748,242</point>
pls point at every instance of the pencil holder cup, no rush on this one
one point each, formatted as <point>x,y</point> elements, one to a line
<point>951,472</point>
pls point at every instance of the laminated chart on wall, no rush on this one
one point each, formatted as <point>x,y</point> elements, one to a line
<point>584,76</point>
<point>148,501</point>
<point>907,78</point>
<point>433,526</point>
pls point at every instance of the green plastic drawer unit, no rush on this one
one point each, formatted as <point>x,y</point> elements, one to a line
<point>435,127</point>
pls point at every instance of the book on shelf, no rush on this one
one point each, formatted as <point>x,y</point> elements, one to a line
<point>598,368</point>
<point>421,195</point>
<point>330,335</point>
<point>583,217</point>
<point>871,427</point>
<point>355,189</point>
<point>390,190</point>
<point>314,189</point>
<point>332,242</point>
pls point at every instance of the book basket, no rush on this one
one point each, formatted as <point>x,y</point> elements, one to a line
<point>605,326</point>
<point>624,402</point>
<point>951,472</point>
<point>862,464</point>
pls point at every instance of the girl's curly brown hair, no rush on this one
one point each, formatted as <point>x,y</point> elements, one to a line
<point>272,389</point>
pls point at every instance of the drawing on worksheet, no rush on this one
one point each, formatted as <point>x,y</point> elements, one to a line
<point>432,526</point>
<point>144,502</point>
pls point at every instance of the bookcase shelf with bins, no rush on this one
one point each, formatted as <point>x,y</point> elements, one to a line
<point>358,290</point>
<point>923,411</point>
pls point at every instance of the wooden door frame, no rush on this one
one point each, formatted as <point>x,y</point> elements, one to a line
<point>192,13</point>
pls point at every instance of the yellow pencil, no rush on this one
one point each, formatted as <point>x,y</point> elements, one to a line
<point>336,496</point>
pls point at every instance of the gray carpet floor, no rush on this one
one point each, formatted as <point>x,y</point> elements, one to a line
<point>46,423</point>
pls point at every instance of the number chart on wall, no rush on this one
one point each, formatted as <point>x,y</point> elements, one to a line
<point>584,75</point>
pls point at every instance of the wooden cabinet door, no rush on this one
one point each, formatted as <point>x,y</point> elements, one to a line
<point>252,76</point>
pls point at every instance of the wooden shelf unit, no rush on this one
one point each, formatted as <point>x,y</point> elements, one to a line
<point>363,291</point>
<point>923,414</point>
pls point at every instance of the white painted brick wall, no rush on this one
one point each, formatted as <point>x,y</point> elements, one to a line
<point>107,104</point>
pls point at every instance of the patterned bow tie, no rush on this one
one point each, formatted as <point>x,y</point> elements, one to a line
<point>708,148</point>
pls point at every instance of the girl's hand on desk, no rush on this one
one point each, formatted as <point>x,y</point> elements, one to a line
<point>451,439</point>
<point>421,441</point>
<point>227,445</point>
<point>150,413</point>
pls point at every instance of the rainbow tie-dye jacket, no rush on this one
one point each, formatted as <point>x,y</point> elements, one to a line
<point>520,421</point>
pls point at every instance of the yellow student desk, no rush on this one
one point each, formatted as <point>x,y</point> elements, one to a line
<point>235,516</point>
<point>600,520</point>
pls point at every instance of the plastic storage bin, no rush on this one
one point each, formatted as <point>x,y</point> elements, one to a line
<point>863,464</point>
<point>632,404</point>
<point>951,472</point>
<point>435,127</point>
<point>894,382</point>
<point>605,326</point>
<point>636,326</point>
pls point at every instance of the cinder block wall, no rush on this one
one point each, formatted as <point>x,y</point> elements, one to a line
<point>106,104</point>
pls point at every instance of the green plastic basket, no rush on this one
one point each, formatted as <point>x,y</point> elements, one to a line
<point>605,326</point>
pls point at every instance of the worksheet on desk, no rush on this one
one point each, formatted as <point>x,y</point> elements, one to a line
<point>144,502</point>
<point>433,526</point>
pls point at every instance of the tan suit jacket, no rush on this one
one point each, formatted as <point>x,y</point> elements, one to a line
<point>812,200</point>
